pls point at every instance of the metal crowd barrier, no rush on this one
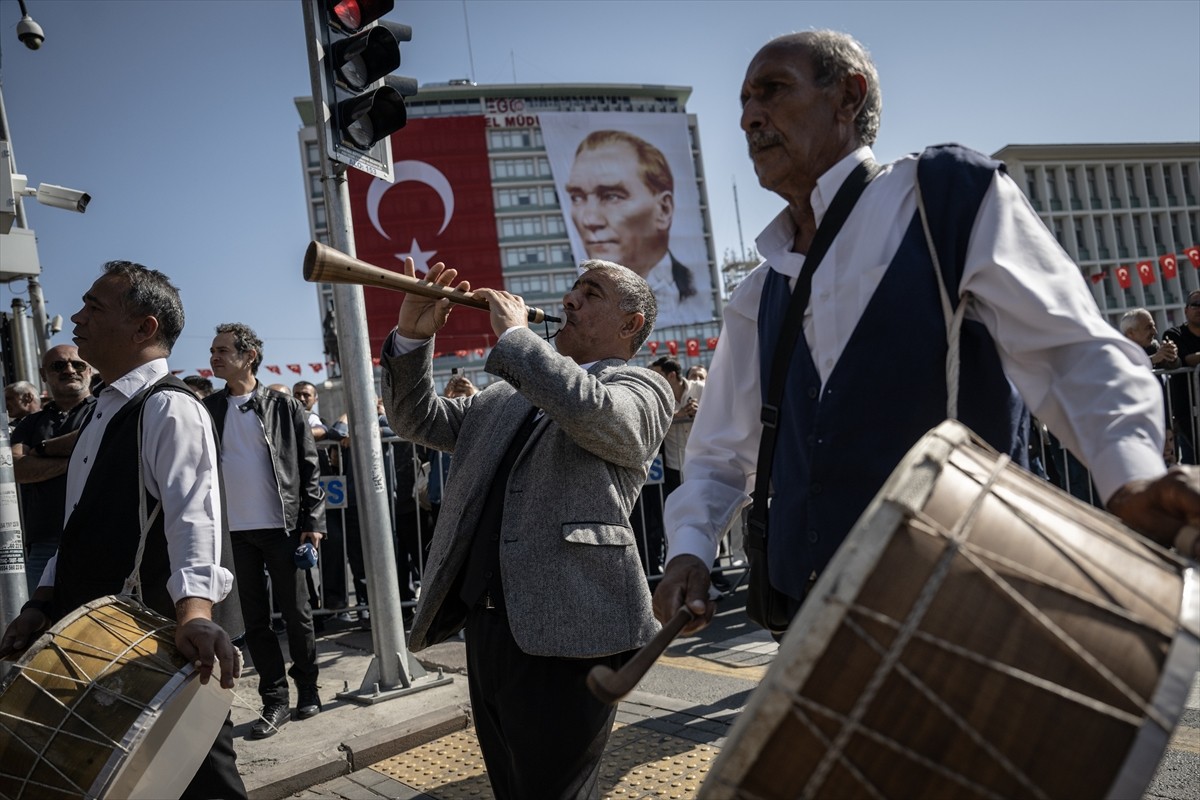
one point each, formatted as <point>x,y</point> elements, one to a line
<point>344,594</point>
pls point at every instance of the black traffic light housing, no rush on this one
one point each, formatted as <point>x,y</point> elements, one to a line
<point>358,103</point>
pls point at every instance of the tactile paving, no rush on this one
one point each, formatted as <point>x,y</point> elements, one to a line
<point>639,763</point>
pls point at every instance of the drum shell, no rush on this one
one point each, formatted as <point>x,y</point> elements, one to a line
<point>1037,652</point>
<point>97,698</point>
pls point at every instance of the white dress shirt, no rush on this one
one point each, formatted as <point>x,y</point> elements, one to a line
<point>1077,373</point>
<point>179,466</point>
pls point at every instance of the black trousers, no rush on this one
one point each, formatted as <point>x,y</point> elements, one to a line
<point>274,549</point>
<point>541,730</point>
<point>218,778</point>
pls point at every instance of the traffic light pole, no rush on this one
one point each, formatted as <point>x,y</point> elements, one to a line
<point>393,672</point>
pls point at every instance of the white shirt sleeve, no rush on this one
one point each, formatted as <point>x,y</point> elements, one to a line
<point>1077,373</point>
<point>179,457</point>
<point>722,450</point>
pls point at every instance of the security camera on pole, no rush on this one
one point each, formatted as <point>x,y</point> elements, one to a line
<point>359,105</point>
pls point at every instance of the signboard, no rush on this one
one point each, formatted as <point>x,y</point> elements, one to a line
<point>335,490</point>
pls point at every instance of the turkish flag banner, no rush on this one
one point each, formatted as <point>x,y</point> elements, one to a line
<point>204,373</point>
<point>439,209</point>
<point>273,368</point>
<point>1123,277</point>
<point>1193,254</point>
<point>673,347</point>
<point>652,347</point>
<point>1146,272</point>
<point>711,342</point>
<point>1170,267</point>
<point>294,368</point>
<point>693,347</point>
<point>316,366</point>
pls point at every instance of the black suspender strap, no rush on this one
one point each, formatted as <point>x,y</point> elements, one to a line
<point>843,202</point>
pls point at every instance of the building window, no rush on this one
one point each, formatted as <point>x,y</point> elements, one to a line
<point>1080,241</point>
<point>1072,189</point>
<point>1139,239</point>
<point>1052,191</point>
<point>1031,186</point>
<point>1135,197</point>
<point>510,138</point>
<point>529,284</point>
<point>517,256</point>
<point>1169,185</point>
<point>521,226</point>
<point>320,218</point>
<point>1122,246</point>
<point>312,154</point>
<point>1059,234</point>
<point>314,186</point>
<point>556,225</point>
<point>1098,229</point>
<point>561,254</point>
<point>1188,196</point>
<point>1114,197</point>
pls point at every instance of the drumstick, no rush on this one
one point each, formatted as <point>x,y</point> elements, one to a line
<point>609,687</point>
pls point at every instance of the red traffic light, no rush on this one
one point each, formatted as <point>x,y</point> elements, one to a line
<point>354,15</point>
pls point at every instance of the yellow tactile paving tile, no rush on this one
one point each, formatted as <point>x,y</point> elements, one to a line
<point>638,763</point>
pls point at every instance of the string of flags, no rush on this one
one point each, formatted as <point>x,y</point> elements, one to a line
<point>276,369</point>
<point>1168,267</point>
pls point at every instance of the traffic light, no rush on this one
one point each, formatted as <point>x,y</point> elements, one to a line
<point>358,102</point>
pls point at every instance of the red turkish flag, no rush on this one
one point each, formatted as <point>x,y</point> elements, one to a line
<point>439,209</point>
<point>273,368</point>
<point>204,373</point>
<point>711,342</point>
<point>1146,272</point>
<point>177,372</point>
<point>294,368</point>
<point>1096,277</point>
<point>693,347</point>
<point>652,347</point>
<point>1170,267</point>
<point>376,360</point>
<point>463,353</point>
<point>1123,277</point>
<point>673,347</point>
<point>479,351</point>
<point>316,366</point>
<point>1193,254</point>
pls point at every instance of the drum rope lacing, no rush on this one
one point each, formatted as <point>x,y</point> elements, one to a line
<point>148,660</point>
<point>920,607</point>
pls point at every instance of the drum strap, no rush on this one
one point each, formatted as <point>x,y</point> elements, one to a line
<point>953,316</point>
<point>133,584</point>
<point>839,210</point>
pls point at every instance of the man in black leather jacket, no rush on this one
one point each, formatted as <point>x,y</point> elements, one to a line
<point>275,504</point>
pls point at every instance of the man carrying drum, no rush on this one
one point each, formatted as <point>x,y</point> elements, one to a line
<point>856,395</point>
<point>129,322</point>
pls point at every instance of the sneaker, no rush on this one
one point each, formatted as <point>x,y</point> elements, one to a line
<point>308,704</point>
<point>274,717</point>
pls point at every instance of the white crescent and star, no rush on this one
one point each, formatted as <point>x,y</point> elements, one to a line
<point>417,172</point>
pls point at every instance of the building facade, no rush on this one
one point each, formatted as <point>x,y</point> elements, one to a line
<point>1127,214</point>
<point>529,135</point>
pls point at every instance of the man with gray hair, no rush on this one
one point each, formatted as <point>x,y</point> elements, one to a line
<point>857,396</point>
<point>1138,326</point>
<point>533,550</point>
<point>21,399</point>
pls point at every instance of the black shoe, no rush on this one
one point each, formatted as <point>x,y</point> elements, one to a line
<point>274,716</point>
<point>309,703</point>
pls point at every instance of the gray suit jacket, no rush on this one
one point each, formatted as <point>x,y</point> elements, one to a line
<point>573,583</point>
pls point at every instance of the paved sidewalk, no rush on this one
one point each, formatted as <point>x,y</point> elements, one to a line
<point>346,735</point>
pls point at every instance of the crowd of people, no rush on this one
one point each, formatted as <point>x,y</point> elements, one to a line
<point>543,525</point>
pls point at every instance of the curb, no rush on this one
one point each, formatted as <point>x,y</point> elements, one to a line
<point>289,777</point>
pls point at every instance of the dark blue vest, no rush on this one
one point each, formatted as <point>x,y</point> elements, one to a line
<point>838,443</point>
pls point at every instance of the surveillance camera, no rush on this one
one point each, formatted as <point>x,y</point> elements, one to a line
<point>55,324</point>
<point>62,197</point>
<point>30,33</point>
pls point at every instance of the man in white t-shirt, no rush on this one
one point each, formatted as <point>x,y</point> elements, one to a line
<point>275,504</point>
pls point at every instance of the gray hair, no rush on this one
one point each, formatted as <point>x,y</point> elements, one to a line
<point>834,56</point>
<point>151,293</point>
<point>244,338</point>
<point>1131,317</point>
<point>18,388</point>
<point>635,295</point>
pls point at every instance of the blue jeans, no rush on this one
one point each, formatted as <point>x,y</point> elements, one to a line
<point>273,550</point>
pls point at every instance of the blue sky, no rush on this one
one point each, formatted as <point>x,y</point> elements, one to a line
<point>178,116</point>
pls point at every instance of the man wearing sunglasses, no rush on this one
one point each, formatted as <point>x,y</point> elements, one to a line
<point>41,465</point>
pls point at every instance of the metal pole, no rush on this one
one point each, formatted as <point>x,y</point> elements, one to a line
<point>41,337</point>
<point>392,671</point>
<point>13,591</point>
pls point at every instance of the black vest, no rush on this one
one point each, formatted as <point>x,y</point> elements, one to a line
<point>839,442</point>
<point>100,538</point>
